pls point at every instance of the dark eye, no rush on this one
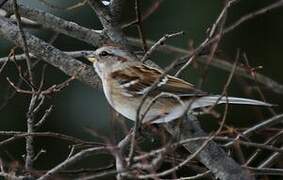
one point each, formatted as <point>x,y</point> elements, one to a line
<point>104,53</point>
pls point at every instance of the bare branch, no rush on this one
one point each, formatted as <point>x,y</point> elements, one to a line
<point>189,158</point>
<point>74,54</point>
<point>267,123</point>
<point>271,160</point>
<point>72,160</point>
<point>2,2</point>
<point>155,5</point>
<point>140,25</point>
<point>44,117</point>
<point>59,25</point>
<point>116,9</point>
<point>48,53</point>
<point>253,15</point>
<point>201,175</point>
<point>19,134</point>
<point>266,171</point>
<point>220,64</point>
<point>111,27</point>
<point>160,42</point>
<point>213,157</point>
<point>23,37</point>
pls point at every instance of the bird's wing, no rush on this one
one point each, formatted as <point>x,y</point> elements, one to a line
<point>137,80</point>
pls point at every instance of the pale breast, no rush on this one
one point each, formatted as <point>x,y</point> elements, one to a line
<point>162,110</point>
<point>120,101</point>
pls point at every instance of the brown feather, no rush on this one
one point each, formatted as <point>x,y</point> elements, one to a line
<point>146,76</point>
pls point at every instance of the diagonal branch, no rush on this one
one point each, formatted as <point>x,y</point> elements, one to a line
<point>58,24</point>
<point>25,47</point>
<point>253,15</point>
<point>111,26</point>
<point>74,54</point>
<point>116,9</point>
<point>48,53</point>
<point>219,64</point>
<point>212,156</point>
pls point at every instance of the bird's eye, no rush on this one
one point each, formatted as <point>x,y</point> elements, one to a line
<point>104,53</point>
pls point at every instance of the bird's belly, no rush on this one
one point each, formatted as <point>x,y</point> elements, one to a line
<point>123,105</point>
<point>156,114</point>
<point>128,110</point>
<point>159,112</point>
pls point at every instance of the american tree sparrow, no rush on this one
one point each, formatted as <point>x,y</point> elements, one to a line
<point>126,80</point>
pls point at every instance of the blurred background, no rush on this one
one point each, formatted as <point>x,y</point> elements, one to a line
<point>79,107</point>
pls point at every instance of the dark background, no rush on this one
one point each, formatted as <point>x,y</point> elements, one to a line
<point>78,106</point>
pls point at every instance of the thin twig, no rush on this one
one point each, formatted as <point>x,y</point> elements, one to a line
<point>74,54</point>
<point>44,117</point>
<point>189,158</point>
<point>71,160</point>
<point>159,43</point>
<point>253,15</point>
<point>3,2</point>
<point>266,171</point>
<point>267,123</point>
<point>115,7</point>
<point>18,135</point>
<point>155,5</point>
<point>255,154</point>
<point>217,63</point>
<point>24,41</point>
<point>198,176</point>
<point>212,37</point>
<point>271,159</point>
<point>140,24</point>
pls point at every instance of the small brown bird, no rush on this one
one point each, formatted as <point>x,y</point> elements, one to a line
<point>126,80</point>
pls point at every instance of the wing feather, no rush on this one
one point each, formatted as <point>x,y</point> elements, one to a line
<point>136,80</point>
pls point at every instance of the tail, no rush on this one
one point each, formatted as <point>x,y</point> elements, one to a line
<point>217,99</point>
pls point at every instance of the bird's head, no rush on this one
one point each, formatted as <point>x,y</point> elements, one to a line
<point>110,58</point>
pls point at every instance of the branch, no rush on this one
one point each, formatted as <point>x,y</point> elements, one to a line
<point>19,134</point>
<point>266,171</point>
<point>72,160</point>
<point>74,54</point>
<point>160,42</point>
<point>25,47</point>
<point>48,53</point>
<point>271,159</point>
<point>253,15</point>
<point>219,64</point>
<point>267,123</point>
<point>2,2</point>
<point>140,24</point>
<point>116,9</point>
<point>57,24</point>
<point>212,156</point>
<point>111,26</point>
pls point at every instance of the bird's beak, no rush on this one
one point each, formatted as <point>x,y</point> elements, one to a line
<point>92,59</point>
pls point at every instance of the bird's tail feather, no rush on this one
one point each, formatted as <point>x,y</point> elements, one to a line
<point>217,99</point>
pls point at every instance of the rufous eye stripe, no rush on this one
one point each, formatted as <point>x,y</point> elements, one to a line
<point>121,59</point>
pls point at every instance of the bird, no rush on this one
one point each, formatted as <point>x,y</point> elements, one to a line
<point>127,85</point>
